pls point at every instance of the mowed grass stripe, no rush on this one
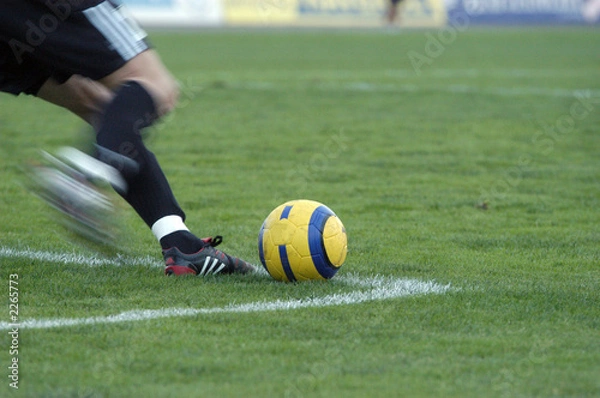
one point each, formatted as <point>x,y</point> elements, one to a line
<point>438,73</point>
<point>365,86</point>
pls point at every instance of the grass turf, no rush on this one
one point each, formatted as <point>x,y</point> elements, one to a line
<point>480,172</point>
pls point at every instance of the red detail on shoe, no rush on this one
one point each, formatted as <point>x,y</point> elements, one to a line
<point>170,261</point>
<point>213,241</point>
<point>178,270</point>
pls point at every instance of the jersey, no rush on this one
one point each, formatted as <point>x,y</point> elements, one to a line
<point>71,5</point>
<point>43,39</point>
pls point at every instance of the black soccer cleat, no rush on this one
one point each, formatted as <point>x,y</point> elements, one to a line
<point>207,261</point>
<point>74,183</point>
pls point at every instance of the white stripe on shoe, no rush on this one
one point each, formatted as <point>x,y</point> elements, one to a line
<point>93,168</point>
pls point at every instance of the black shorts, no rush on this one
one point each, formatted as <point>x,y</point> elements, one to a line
<point>38,42</point>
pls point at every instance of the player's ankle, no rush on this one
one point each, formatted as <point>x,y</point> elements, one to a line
<point>185,241</point>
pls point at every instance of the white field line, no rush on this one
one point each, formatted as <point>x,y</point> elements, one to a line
<point>501,73</point>
<point>352,74</point>
<point>376,288</point>
<point>363,86</point>
<point>367,289</point>
<point>78,259</point>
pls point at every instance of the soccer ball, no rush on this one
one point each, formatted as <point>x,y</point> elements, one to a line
<point>302,240</point>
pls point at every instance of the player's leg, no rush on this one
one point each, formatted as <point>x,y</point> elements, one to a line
<point>144,90</point>
<point>81,95</point>
<point>125,89</point>
<point>135,106</point>
<point>148,70</point>
<point>148,190</point>
<point>392,11</point>
<point>128,88</point>
<point>120,107</point>
<point>87,98</point>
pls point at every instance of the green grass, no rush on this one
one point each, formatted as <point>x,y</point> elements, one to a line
<point>447,176</point>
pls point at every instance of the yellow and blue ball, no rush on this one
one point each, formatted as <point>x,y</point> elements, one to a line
<point>302,240</point>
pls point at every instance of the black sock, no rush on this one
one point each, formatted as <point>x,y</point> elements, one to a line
<point>119,130</point>
<point>185,241</point>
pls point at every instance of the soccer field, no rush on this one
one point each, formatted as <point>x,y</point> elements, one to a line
<point>467,175</point>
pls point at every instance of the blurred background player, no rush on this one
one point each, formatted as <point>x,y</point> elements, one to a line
<point>90,58</point>
<point>393,12</point>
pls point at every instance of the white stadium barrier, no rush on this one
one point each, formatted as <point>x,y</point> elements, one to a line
<point>360,13</point>
<point>177,13</point>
